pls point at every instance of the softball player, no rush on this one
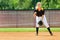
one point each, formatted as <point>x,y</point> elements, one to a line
<point>40,16</point>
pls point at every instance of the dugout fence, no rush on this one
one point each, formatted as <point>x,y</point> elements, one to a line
<point>24,18</point>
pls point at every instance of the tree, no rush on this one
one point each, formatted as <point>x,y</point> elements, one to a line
<point>4,4</point>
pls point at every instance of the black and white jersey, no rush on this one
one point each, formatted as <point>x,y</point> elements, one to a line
<point>39,13</point>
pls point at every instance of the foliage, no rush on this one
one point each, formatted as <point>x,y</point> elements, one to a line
<point>28,4</point>
<point>51,4</point>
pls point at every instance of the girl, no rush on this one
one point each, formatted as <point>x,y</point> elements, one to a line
<point>40,16</point>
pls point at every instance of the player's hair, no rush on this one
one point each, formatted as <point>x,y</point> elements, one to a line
<point>36,7</point>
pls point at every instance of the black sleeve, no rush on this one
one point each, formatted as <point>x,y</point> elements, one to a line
<point>43,12</point>
<point>35,10</point>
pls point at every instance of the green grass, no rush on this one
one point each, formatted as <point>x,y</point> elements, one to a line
<point>27,29</point>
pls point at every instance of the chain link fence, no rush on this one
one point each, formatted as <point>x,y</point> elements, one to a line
<point>25,18</point>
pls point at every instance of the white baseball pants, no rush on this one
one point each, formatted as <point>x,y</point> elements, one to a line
<point>44,21</point>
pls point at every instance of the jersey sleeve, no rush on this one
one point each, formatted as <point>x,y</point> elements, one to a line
<point>43,12</point>
<point>35,11</point>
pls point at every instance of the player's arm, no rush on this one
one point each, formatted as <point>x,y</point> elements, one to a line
<point>42,17</point>
<point>42,13</point>
<point>34,14</point>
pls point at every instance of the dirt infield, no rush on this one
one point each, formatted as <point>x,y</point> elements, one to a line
<point>28,36</point>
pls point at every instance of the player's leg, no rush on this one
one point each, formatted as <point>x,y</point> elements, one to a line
<point>37,28</point>
<point>46,24</point>
<point>50,31</point>
<point>37,25</point>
